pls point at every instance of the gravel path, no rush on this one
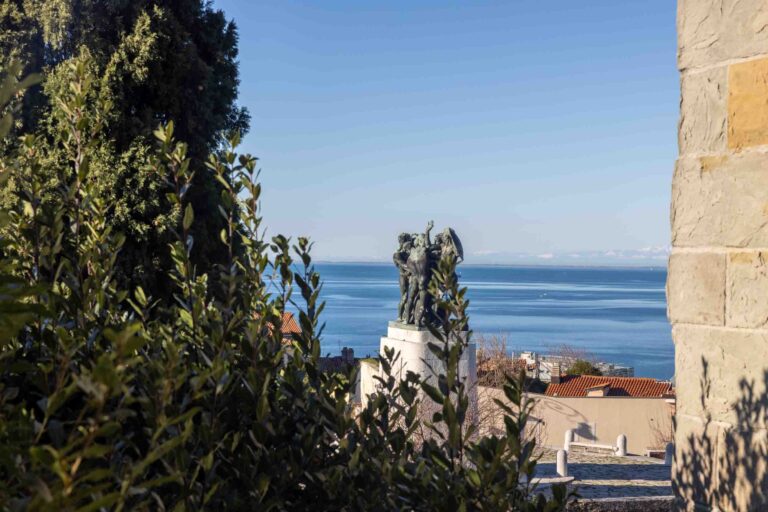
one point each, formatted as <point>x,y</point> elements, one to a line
<point>599,476</point>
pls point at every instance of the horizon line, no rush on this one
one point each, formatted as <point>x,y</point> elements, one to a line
<point>516,264</point>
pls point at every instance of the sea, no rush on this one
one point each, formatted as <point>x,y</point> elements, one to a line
<point>616,315</point>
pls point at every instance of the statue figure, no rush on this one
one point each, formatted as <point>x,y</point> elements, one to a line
<point>416,258</point>
<point>400,258</point>
<point>420,270</point>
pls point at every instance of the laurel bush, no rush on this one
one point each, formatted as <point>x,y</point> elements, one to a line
<point>113,400</point>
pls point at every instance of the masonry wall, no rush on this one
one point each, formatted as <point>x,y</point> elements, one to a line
<point>647,422</point>
<point>718,270</point>
<point>366,383</point>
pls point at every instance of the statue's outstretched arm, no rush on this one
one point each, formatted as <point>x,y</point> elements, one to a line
<point>430,225</point>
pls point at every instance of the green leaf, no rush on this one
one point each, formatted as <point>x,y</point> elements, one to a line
<point>207,461</point>
<point>96,451</point>
<point>140,296</point>
<point>433,392</point>
<point>189,217</point>
<point>105,501</point>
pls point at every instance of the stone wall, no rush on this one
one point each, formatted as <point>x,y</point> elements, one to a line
<point>718,271</point>
<point>647,422</point>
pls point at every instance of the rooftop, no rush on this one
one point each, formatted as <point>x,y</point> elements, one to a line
<point>289,326</point>
<point>636,387</point>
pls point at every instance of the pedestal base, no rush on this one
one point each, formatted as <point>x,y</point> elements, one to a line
<point>411,342</point>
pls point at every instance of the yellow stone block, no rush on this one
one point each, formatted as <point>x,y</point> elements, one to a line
<point>748,104</point>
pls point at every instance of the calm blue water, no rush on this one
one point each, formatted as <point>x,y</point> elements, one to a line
<point>618,315</point>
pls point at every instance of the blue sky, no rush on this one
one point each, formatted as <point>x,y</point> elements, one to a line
<point>531,127</point>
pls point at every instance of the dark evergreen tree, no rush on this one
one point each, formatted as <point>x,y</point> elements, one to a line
<point>157,61</point>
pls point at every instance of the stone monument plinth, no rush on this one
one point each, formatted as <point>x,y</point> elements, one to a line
<point>411,342</point>
<point>416,258</point>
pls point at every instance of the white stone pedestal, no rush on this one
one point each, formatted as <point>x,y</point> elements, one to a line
<point>411,343</point>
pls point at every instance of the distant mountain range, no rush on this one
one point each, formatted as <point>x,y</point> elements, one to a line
<point>645,257</point>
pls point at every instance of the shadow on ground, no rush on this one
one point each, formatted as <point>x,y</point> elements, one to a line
<point>596,480</point>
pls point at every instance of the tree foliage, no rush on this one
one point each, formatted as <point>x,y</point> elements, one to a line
<point>583,367</point>
<point>155,61</point>
<point>113,400</point>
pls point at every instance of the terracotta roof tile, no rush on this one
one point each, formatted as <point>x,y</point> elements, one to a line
<point>636,387</point>
<point>290,326</point>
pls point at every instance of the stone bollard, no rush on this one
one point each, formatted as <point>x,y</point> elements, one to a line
<point>669,454</point>
<point>621,445</point>
<point>562,463</point>
<point>568,440</point>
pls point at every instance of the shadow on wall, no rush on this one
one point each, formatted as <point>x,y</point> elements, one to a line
<point>572,416</point>
<point>726,466</point>
<point>585,432</point>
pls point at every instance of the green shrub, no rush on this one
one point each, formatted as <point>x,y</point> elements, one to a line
<point>155,60</point>
<point>111,400</point>
<point>583,367</point>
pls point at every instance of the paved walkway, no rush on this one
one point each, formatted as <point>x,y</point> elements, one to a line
<point>599,476</point>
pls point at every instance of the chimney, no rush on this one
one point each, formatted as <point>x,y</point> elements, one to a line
<point>348,355</point>
<point>555,376</point>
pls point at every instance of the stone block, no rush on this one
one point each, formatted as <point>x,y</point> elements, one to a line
<point>412,333</point>
<point>720,468</point>
<point>703,112</point>
<point>742,469</point>
<point>696,288</point>
<point>711,31</point>
<point>747,289</point>
<point>721,201</point>
<point>720,373</point>
<point>747,105</point>
<point>694,471</point>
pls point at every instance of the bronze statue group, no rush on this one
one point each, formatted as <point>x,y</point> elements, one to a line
<point>416,258</point>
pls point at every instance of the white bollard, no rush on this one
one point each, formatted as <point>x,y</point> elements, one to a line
<point>562,463</point>
<point>621,445</point>
<point>568,440</point>
<point>669,454</point>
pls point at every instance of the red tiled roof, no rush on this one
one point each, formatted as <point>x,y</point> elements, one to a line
<point>290,326</point>
<point>636,387</point>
